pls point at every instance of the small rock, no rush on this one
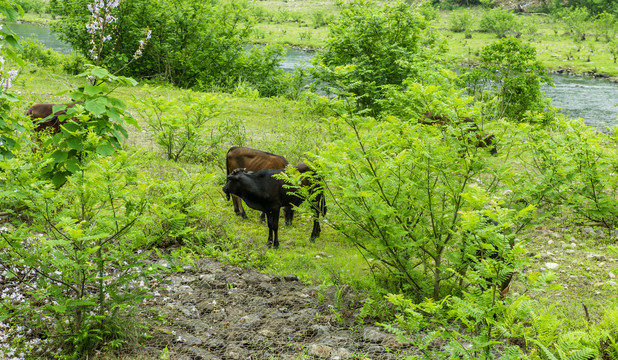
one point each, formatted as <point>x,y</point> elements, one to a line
<point>611,283</point>
<point>551,266</point>
<point>181,289</point>
<point>290,277</point>
<point>190,311</point>
<point>250,321</point>
<point>266,333</point>
<point>341,353</point>
<point>596,257</point>
<point>373,335</point>
<point>588,231</point>
<point>163,263</point>
<point>611,275</point>
<point>320,329</point>
<point>235,352</point>
<point>321,351</point>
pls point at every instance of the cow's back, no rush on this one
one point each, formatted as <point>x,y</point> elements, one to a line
<point>39,111</point>
<point>252,159</point>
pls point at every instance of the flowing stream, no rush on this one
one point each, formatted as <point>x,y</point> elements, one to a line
<point>594,100</point>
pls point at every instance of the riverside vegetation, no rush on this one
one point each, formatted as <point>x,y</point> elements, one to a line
<point>422,224</point>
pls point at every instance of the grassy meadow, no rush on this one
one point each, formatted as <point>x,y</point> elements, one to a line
<point>582,291</point>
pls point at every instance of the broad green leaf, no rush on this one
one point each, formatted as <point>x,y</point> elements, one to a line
<point>59,179</point>
<point>59,156</point>
<point>75,143</point>
<point>73,165</point>
<point>105,149</point>
<point>10,13</point>
<point>99,72</point>
<point>96,106</point>
<point>92,90</point>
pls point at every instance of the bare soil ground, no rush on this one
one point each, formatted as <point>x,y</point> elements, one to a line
<point>217,311</point>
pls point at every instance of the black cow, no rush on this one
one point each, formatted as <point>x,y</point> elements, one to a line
<point>239,157</point>
<point>482,140</point>
<point>261,191</point>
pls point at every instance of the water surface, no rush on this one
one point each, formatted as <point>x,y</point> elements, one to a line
<point>593,100</point>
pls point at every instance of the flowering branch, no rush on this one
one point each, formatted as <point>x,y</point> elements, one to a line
<point>5,82</point>
<point>101,19</point>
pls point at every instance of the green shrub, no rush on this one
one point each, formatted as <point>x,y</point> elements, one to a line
<point>606,26</point>
<point>510,71</point>
<point>34,52</point>
<point>74,63</point>
<point>182,125</point>
<point>79,261</point>
<point>370,48</point>
<point>573,167</point>
<point>319,18</point>
<point>499,22</point>
<point>33,6</point>
<point>461,22</point>
<point>407,193</point>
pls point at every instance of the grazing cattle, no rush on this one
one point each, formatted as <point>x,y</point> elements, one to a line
<point>261,191</point>
<point>253,160</point>
<point>42,113</point>
<point>482,140</point>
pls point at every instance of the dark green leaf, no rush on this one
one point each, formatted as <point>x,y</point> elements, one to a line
<point>105,149</point>
<point>92,90</point>
<point>59,156</point>
<point>96,106</point>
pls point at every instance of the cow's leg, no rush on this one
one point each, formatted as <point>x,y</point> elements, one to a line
<point>238,209</point>
<point>262,217</point>
<point>289,214</point>
<point>315,233</point>
<point>273,229</point>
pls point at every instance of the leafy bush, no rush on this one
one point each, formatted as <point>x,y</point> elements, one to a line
<point>403,193</point>
<point>77,269</point>
<point>499,22</point>
<point>93,129</point>
<point>74,63</point>
<point>576,21</point>
<point>33,6</point>
<point>34,52</point>
<point>185,52</point>
<point>461,22</point>
<point>181,124</point>
<point>369,48</point>
<point>574,168</point>
<point>511,71</point>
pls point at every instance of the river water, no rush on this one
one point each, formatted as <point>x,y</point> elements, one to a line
<point>594,100</point>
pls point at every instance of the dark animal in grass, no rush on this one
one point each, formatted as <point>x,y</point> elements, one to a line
<point>253,160</point>
<point>261,191</point>
<point>481,140</point>
<point>45,118</point>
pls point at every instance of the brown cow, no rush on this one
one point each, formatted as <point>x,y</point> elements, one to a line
<point>482,140</point>
<point>253,160</point>
<point>42,113</point>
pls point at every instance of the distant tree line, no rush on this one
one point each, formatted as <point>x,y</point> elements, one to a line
<point>594,7</point>
<point>195,44</point>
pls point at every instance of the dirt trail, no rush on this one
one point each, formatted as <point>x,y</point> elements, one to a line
<point>217,311</point>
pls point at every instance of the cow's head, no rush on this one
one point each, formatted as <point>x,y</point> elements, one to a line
<point>232,181</point>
